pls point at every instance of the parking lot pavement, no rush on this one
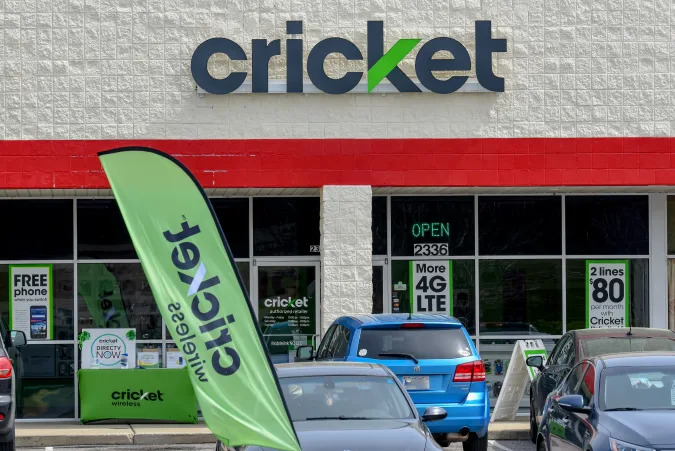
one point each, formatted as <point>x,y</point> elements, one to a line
<point>494,445</point>
<point>202,447</point>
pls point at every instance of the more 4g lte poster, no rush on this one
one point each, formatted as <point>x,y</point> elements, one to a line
<point>31,299</point>
<point>431,286</point>
<point>607,294</point>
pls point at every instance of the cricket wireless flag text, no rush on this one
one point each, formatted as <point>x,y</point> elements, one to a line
<point>204,306</point>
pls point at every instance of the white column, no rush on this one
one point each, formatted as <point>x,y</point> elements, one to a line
<point>346,252</point>
<point>658,272</point>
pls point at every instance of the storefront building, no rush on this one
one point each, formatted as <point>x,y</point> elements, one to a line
<point>328,193</point>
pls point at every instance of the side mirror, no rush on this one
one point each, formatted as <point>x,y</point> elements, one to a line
<point>536,361</point>
<point>304,353</point>
<point>18,338</point>
<point>434,414</point>
<point>573,403</point>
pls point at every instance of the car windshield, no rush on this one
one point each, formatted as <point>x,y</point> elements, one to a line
<point>415,343</point>
<point>638,388</point>
<point>611,345</point>
<point>344,397</point>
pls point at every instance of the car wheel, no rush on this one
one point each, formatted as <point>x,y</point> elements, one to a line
<point>533,423</point>
<point>8,446</point>
<point>541,446</point>
<point>475,443</point>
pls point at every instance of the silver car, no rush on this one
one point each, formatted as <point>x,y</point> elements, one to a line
<point>351,406</point>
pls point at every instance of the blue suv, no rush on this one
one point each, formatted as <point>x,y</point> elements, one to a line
<point>433,357</point>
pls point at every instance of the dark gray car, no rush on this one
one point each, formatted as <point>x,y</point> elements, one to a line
<point>352,406</point>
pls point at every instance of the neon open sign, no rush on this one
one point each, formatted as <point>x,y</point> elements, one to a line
<point>433,229</point>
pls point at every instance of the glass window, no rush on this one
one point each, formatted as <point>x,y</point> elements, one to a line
<point>426,220</point>
<point>244,269</point>
<point>570,384</point>
<point>587,386</point>
<point>576,293</point>
<point>520,225</point>
<point>149,355</point>
<point>379,225</point>
<point>591,347</point>
<point>496,355</point>
<point>334,397</point>
<point>420,343</point>
<point>671,224</point>
<point>671,294</point>
<point>520,297</point>
<point>560,353</point>
<point>36,229</point>
<point>378,287</point>
<point>567,353</point>
<point>46,385</point>
<point>640,388</point>
<point>62,285</point>
<point>340,343</point>
<point>101,231</point>
<point>117,295</point>
<point>323,346</point>
<point>286,226</point>
<point>463,291</point>
<point>233,217</point>
<point>607,225</point>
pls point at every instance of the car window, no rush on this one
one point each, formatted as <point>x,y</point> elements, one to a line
<point>323,347</point>
<point>566,355</point>
<point>339,344</point>
<point>569,385</point>
<point>420,343</point>
<point>633,387</point>
<point>332,397</point>
<point>553,357</point>
<point>615,345</point>
<point>558,352</point>
<point>587,386</point>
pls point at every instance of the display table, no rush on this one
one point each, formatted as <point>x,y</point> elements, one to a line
<point>135,394</point>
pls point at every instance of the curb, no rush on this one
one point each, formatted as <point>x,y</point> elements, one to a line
<point>40,435</point>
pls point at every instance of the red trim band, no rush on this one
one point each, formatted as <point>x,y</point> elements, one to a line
<point>295,163</point>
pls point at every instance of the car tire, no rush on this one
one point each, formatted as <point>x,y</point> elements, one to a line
<point>8,446</point>
<point>533,423</point>
<point>475,443</point>
<point>541,446</point>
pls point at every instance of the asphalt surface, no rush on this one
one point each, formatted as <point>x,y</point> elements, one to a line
<point>494,445</point>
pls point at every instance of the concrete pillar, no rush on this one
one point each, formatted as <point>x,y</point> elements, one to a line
<point>346,252</point>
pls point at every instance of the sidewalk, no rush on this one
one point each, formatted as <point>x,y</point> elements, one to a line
<point>74,434</point>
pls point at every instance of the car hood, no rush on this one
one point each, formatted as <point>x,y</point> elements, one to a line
<point>652,428</point>
<point>359,435</point>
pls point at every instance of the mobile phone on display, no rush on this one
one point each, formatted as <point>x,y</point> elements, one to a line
<point>38,322</point>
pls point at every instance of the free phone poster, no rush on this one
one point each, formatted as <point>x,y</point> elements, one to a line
<point>30,301</point>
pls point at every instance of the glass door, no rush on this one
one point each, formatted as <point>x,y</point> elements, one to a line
<point>380,285</point>
<point>286,298</point>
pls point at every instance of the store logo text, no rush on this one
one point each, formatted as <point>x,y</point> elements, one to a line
<point>381,65</point>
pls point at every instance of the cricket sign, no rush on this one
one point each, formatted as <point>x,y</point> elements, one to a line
<point>607,294</point>
<point>431,290</point>
<point>108,348</point>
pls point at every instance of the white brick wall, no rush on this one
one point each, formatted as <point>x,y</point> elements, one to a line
<point>73,69</point>
<point>346,252</point>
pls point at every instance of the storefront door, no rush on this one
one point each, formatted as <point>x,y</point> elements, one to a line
<point>286,297</point>
<point>380,285</point>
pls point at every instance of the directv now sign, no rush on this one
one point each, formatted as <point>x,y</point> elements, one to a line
<point>381,65</point>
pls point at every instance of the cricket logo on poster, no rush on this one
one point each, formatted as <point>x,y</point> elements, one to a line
<point>607,294</point>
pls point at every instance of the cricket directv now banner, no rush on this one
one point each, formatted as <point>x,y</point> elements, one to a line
<point>195,282</point>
